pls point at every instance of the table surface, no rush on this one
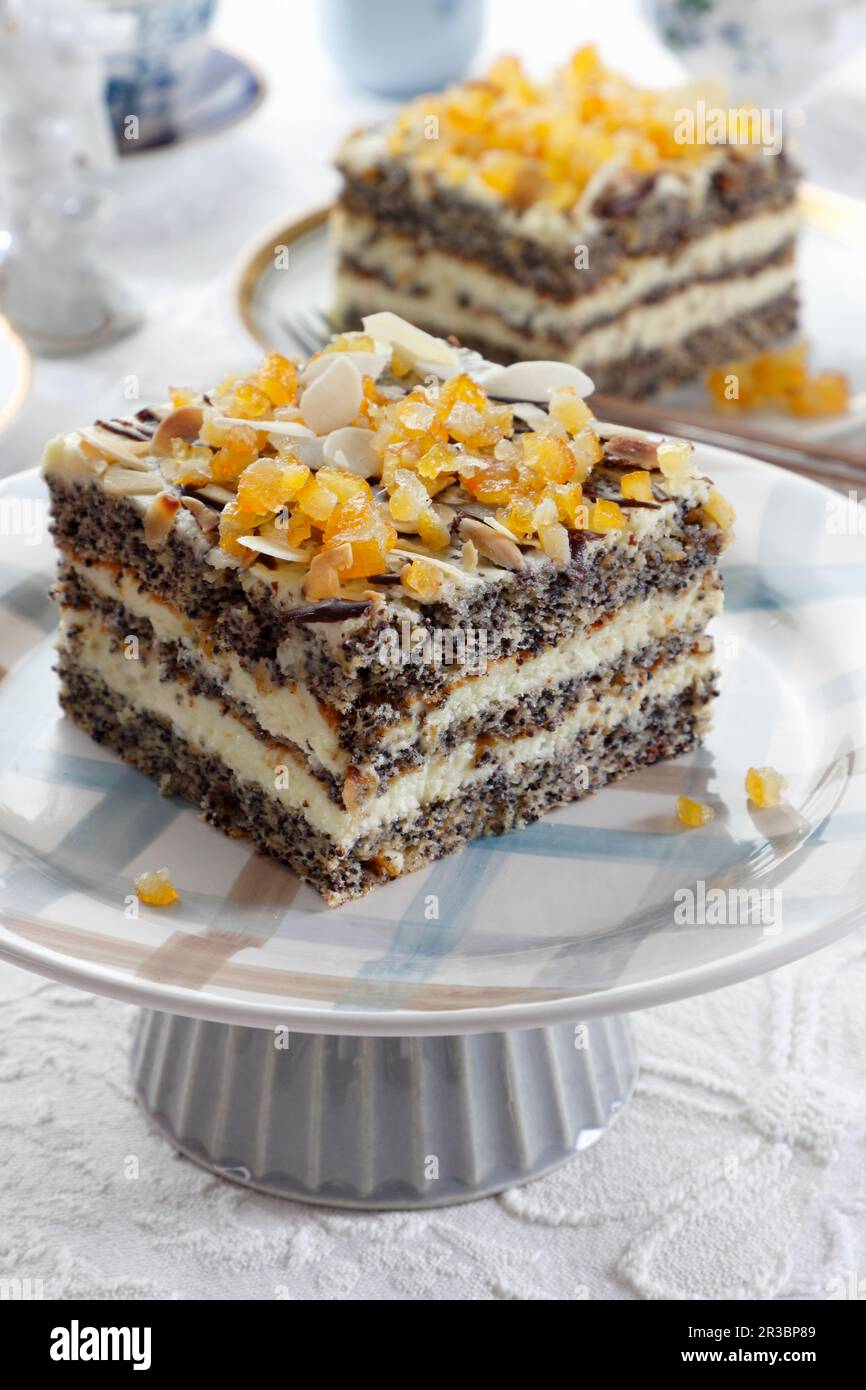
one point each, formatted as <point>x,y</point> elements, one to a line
<point>735,1171</point>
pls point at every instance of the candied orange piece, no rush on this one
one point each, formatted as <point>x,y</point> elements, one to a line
<point>414,416</point>
<point>546,459</point>
<point>694,813</point>
<point>500,170</point>
<point>570,409</point>
<point>605,516</point>
<point>156,889</point>
<point>825,394</point>
<point>278,378</point>
<point>239,447</point>
<point>422,579</point>
<point>268,483</point>
<point>344,485</point>
<point>637,486</point>
<point>461,389</point>
<point>234,522</point>
<point>764,786</point>
<point>371,536</point>
<point>189,465</point>
<point>675,460</point>
<point>347,342</point>
<point>433,530</point>
<point>440,458</point>
<point>493,482</point>
<point>298,527</point>
<point>317,502</point>
<point>250,402</point>
<point>519,515</point>
<point>718,510</point>
<point>409,498</point>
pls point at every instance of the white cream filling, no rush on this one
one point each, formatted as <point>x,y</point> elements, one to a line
<point>292,714</point>
<point>719,250</point>
<point>641,328</point>
<point>209,730</point>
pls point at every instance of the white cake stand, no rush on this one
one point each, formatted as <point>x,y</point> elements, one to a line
<point>463,1029</point>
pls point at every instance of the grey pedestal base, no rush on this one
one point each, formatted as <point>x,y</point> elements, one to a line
<point>381,1122</point>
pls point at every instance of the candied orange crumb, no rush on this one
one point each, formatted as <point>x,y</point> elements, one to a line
<point>605,516</point>
<point>422,579</point>
<point>269,483</point>
<point>764,786</point>
<point>637,486</point>
<point>718,510</point>
<point>694,813</point>
<point>780,380</point>
<point>156,889</point>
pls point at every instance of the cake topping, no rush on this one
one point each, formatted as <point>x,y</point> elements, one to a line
<point>694,813</point>
<point>345,477</point>
<point>156,889</point>
<point>586,137</point>
<point>764,786</point>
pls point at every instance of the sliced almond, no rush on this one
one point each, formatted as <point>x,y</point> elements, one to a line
<point>470,556</point>
<point>509,535</point>
<point>351,447</point>
<point>496,547</point>
<point>288,429</point>
<point>267,546</point>
<point>370,364</point>
<point>115,448</point>
<point>334,398</point>
<point>208,520</point>
<point>533,381</point>
<point>215,493</point>
<point>322,579</point>
<point>390,328</point>
<point>159,519</point>
<point>183,423</point>
<point>453,570</point>
<point>126,482</point>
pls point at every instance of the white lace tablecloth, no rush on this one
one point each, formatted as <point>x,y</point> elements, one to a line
<point>736,1171</point>
<point>738,1167</point>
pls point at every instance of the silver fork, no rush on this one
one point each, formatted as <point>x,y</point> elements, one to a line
<point>310,329</point>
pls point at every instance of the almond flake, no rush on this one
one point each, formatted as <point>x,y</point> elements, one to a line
<point>274,548</point>
<point>159,519</point>
<point>117,449</point>
<point>501,550</point>
<point>125,482</point>
<point>334,399</point>
<point>183,423</point>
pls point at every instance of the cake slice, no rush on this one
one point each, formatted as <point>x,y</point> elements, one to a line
<point>365,608</point>
<point>642,235</point>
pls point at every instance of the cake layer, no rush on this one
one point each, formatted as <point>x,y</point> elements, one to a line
<point>249,613</point>
<point>503,800</point>
<point>279,772</point>
<point>535,247</point>
<point>507,693</point>
<point>696,308</point>
<point>446,283</point>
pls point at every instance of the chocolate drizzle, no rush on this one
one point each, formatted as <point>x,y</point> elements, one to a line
<point>330,610</point>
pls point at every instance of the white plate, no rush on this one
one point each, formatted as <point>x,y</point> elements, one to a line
<point>831,252</point>
<point>15,373</point>
<point>570,918</point>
